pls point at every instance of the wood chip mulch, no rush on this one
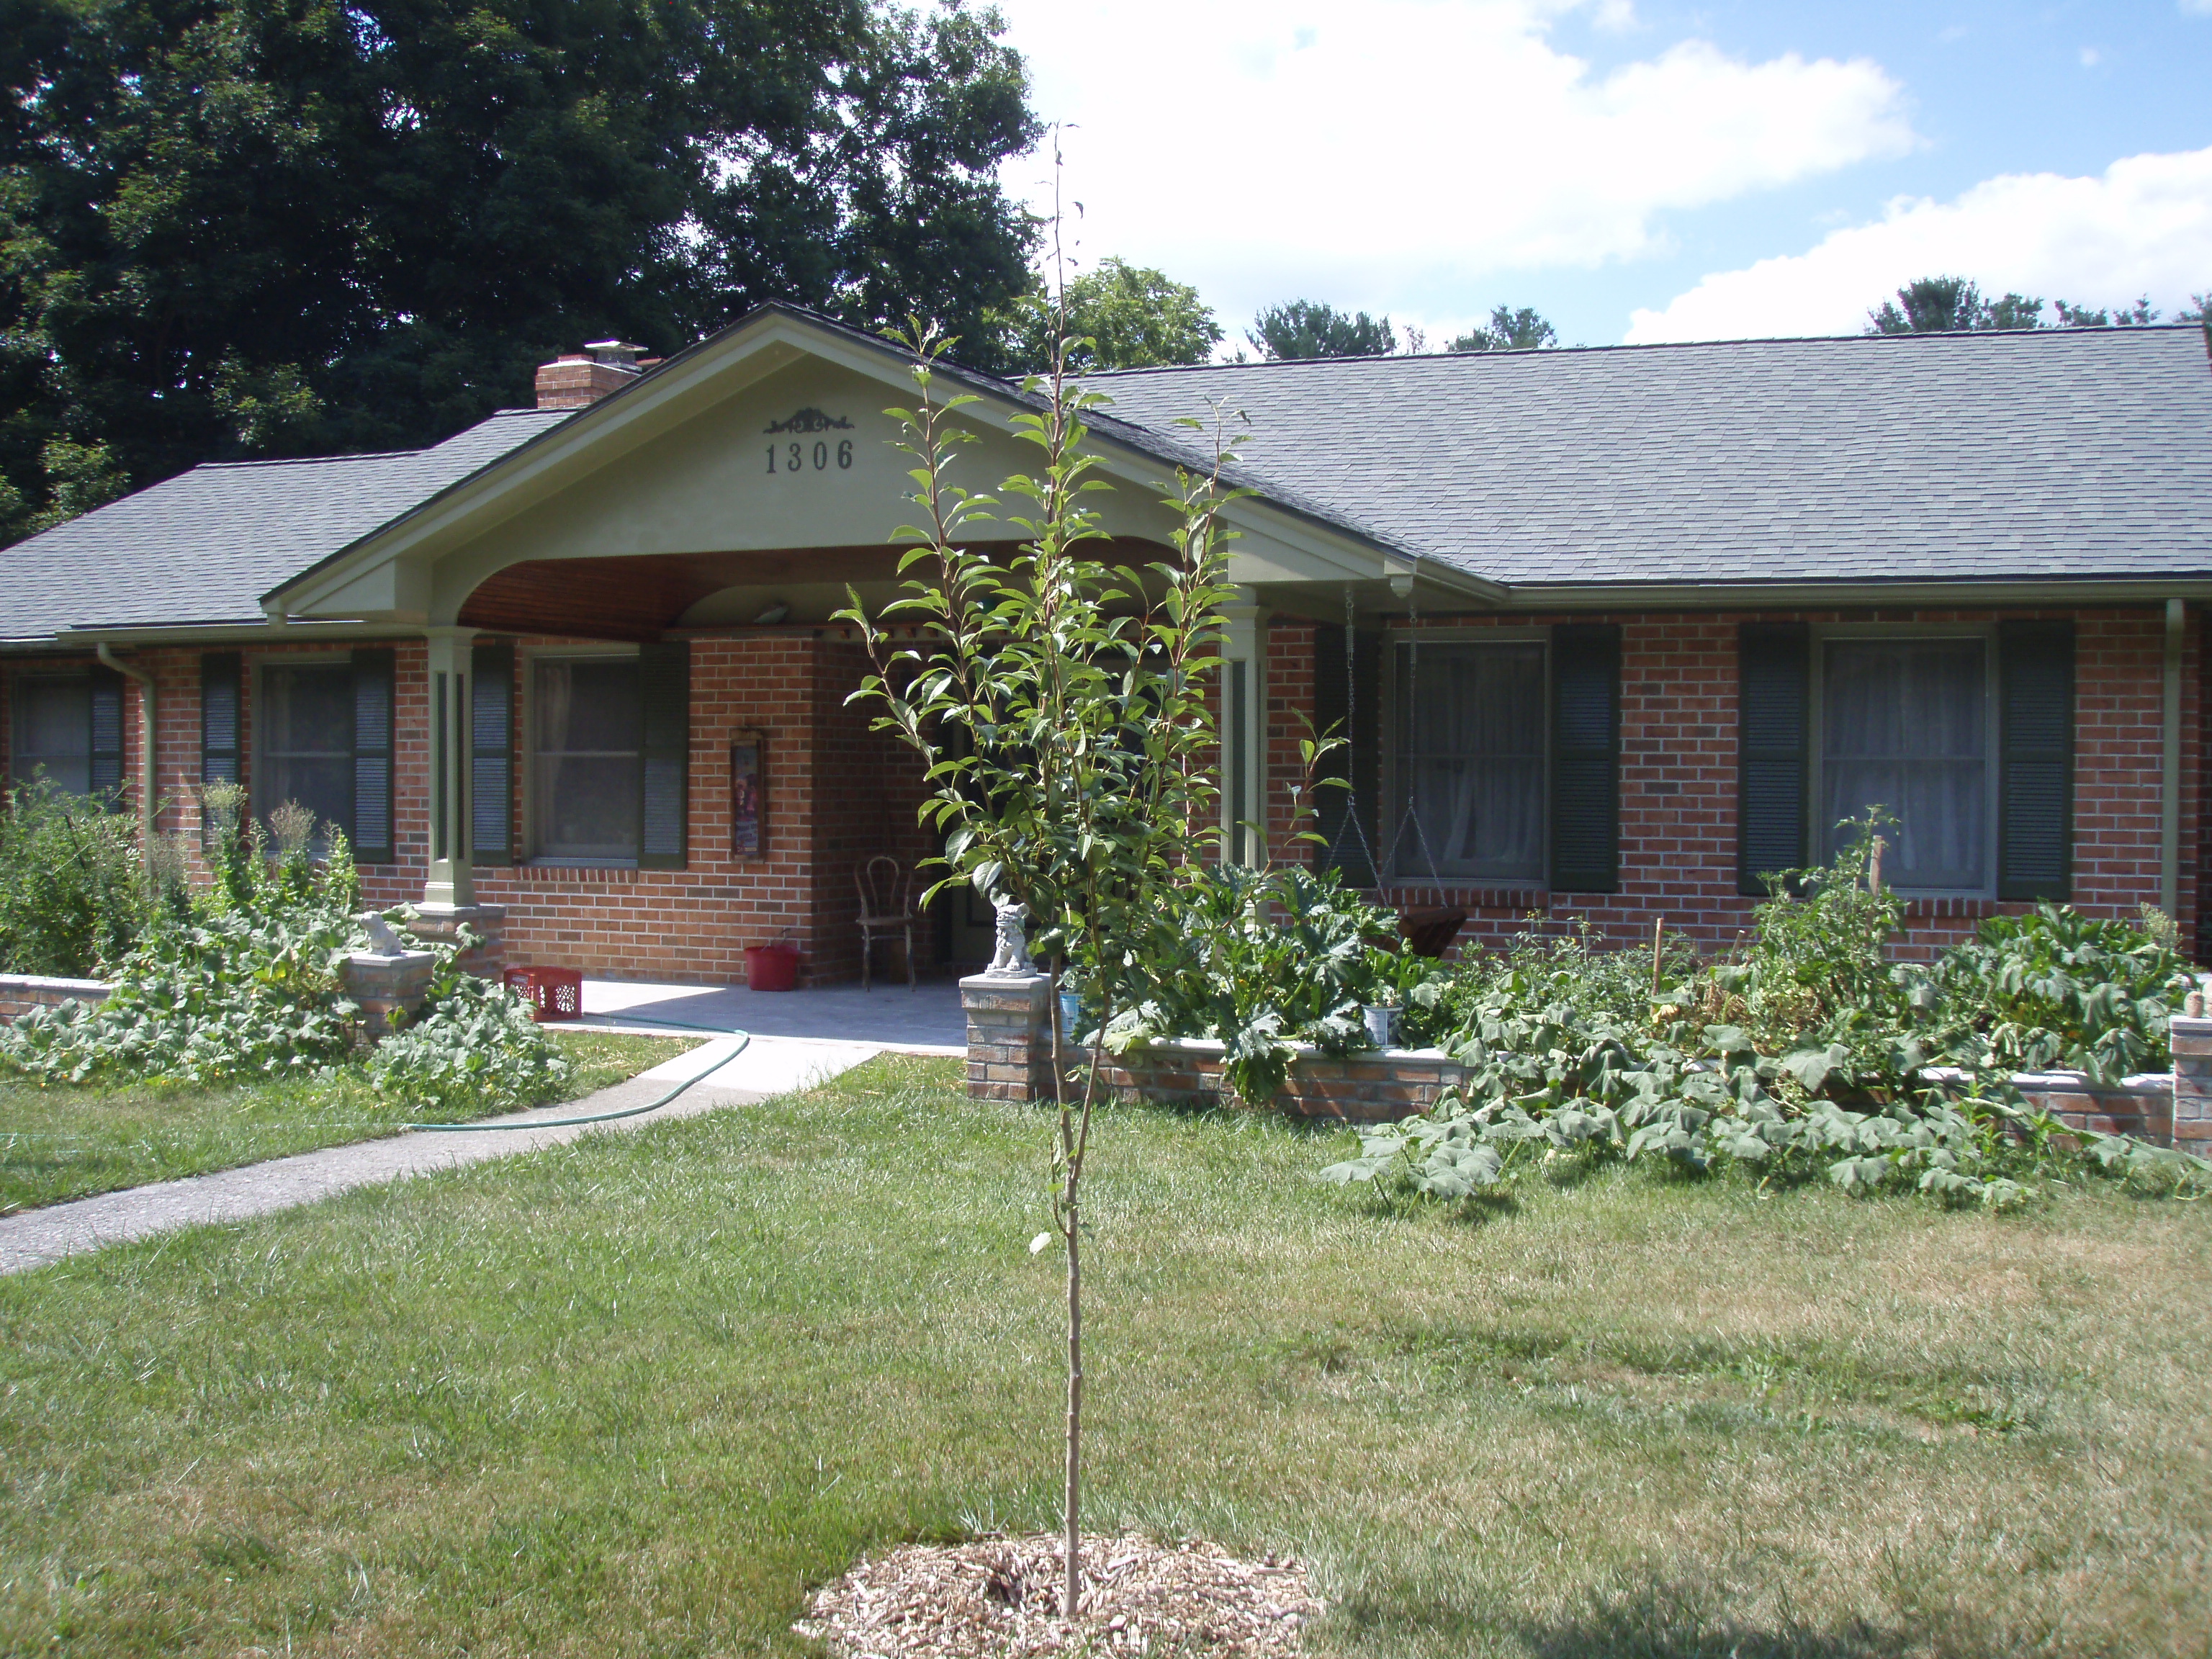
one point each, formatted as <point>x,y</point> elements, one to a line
<point>999,1598</point>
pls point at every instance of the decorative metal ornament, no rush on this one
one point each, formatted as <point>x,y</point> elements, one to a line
<point>810,419</point>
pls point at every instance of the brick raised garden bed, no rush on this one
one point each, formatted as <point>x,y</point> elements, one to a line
<point>1009,1044</point>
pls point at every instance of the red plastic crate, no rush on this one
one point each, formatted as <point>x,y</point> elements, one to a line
<point>552,993</point>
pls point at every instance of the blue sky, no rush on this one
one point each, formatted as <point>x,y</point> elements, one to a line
<point>1635,169</point>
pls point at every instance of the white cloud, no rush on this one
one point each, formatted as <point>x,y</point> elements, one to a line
<point>1395,153</point>
<point>2144,226</point>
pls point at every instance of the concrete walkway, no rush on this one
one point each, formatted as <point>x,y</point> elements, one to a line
<point>823,1033</point>
<point>925,1020</point>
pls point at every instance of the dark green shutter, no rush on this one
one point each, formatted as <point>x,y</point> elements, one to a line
<point>491,754</point>
<point>2035,760</point>
<point>219,671</point>
<point>1773,743</point>
<point>105,749</point>
<point>664,683</point>
<point>373,674</point>
<point>1586,758</point>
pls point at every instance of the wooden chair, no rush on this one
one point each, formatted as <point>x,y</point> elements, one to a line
<point>886,907</point>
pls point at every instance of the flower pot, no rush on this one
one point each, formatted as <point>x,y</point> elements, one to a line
<point>1382,1025</point>
<point>771,967</point>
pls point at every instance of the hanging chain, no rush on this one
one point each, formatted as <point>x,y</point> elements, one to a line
<point>1412,689</point>
<point>1351,772</point>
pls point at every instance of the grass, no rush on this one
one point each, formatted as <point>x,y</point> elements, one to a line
<point>63,1142</point>
<point>634,1396</point>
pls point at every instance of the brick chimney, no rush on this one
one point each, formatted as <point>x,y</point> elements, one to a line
<point>576,379</point>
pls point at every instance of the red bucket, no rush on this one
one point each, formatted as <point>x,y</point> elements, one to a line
<point>772,967</point>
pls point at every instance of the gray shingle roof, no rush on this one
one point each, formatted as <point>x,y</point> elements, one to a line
<point>2072,453</point>
<point>204,546</point>
<point>1988,457</point>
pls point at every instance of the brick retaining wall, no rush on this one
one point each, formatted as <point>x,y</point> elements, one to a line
<point>21,992</point>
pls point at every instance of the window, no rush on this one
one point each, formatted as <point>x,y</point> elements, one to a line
<point>1905,724</point>
<point>306,733</point>
<point>53,731</point>
<point>1472,732</point>
<point>585,779</point>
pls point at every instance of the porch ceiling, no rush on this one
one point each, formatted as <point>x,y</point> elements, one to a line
<point>642,596</point>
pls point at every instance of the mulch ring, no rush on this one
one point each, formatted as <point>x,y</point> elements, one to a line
<point>999,1598</point>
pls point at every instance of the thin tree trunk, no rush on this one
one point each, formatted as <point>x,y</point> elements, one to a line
<point>1074,1584</point>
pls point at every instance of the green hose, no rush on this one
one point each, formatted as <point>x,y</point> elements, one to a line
<point>606,1117</point>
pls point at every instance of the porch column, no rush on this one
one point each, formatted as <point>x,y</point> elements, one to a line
<point>449,886</point>
<point>1244,728</point>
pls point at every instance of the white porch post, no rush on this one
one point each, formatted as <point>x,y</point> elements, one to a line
<point>449,885</point>
<point>1244,727</point>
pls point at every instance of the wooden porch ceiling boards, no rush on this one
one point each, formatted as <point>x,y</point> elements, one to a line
<point>642,596</point>
<point>639,597</point>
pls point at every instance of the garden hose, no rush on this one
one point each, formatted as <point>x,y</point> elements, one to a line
<point>744,1038</point>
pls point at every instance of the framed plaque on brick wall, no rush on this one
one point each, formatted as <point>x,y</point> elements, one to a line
<point>749,795</point>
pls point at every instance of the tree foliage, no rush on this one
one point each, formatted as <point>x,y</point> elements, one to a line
<point>1119,316</point>
<point>1946,304</point>
<point>1307,328</point>
<point>238,227</point>
<point>1062,708</point>
<point>1510,329</point>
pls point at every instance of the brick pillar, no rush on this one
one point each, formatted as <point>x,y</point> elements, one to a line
<point>1010,1036</point>
<point>2192,1039</point>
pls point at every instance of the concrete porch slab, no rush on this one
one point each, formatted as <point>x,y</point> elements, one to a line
<point>927,1020</point>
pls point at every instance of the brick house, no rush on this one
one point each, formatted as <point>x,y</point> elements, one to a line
<point>1612,632</point>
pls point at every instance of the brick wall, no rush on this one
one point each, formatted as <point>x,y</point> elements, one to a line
<point>835,793</point>
<point>22,993</point>
<point>1678,777</point>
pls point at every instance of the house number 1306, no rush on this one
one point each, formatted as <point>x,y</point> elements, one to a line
<point>796,456</point>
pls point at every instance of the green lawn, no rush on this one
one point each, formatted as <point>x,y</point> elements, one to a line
<point>62,1143</point>
<point>633,1397</point>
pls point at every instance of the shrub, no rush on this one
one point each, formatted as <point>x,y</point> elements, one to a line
<point>2055,988</point>
<point>1809,1052</point>
<point>1261,960</point>
<point>474,1048</point>
<point>244,984</point>
<point>72,884</point>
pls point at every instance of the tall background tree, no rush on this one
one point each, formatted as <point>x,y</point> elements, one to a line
<point>1944,305</point>
<point>235,228</point>
<point>1510,329</point>
<point>1120,315</point>
<point>1307,328</point>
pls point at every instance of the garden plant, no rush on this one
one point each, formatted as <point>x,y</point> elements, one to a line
<point>1808,1052</point>
<point>238,982</point>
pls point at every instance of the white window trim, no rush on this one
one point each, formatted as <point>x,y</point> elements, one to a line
<point>1390,813</point>
<point>526,853</point>
<point>1816,740</point>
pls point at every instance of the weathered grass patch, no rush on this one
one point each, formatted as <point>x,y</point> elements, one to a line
<point>634,1396</point>
<point>69,1142</point>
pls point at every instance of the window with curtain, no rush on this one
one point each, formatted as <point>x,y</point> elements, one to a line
<point>303,727</point>
<point>1904,725</point>
<point>53,733</point>
<point>584,725</point>
<point>1471,733</point>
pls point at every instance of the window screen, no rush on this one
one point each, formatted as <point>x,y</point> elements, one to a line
<point>585,724</point>
<point>53,733</point>
<point>1905,725</point>
<point>306,730</point>
<point>1471,735</point>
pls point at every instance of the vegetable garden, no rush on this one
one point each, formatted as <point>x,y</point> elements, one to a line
<point>1809,1051</point>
